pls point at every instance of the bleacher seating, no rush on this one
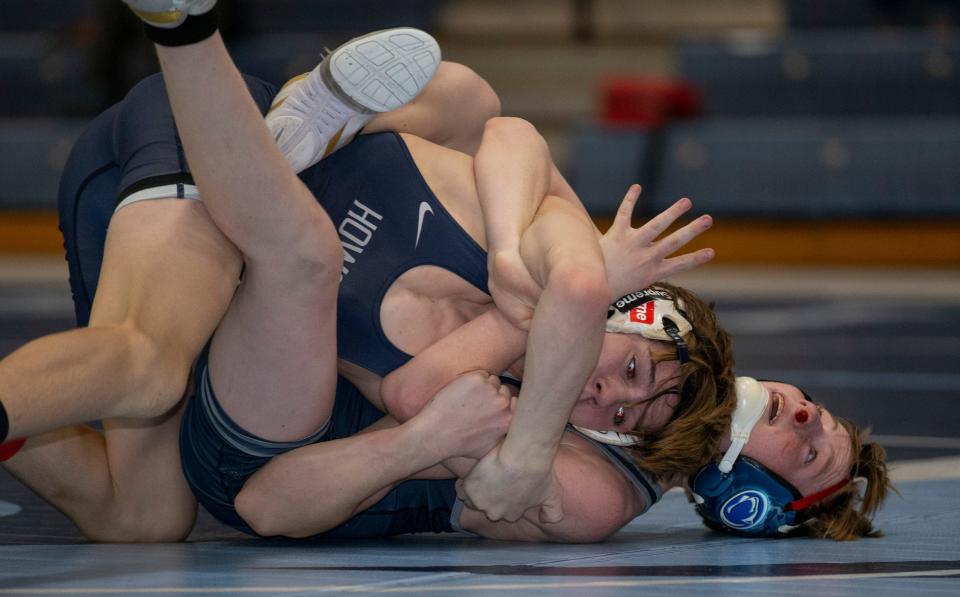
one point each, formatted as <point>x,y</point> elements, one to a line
<point>259,17</point>
<point>827,73</point>
<point>811,122</point>
<point>795,167</point>
<point>277,58</point>
<point>815,167</point>
<point>634,19</point>
<point>45,15</point>
<point>607,160</point>
<point>819,14</point>
<point>44,74</point>
<point>812,125</point>
<point>34,152</point>
<point>830,14</point>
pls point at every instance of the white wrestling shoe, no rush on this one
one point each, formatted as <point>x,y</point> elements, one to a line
<point>167,14</point>
<point>318,112</point>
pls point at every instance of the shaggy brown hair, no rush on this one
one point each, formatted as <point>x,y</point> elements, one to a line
<point>848,516</point>
<point>692,437</point>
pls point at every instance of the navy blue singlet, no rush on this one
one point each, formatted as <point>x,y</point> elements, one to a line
<point>389,221</point>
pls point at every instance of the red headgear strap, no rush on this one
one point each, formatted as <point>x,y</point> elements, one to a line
<point>813,498</point>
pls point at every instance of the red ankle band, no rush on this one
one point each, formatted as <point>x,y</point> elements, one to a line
<point>10,448</point>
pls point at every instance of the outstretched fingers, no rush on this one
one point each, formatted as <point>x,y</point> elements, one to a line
<point>687,261</point>
<point>627,207</point>
<point>663,220</point>
<point>680,238</point>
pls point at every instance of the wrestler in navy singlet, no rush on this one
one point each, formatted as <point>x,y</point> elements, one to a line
<point>134,146</point>
<point>388,220</point>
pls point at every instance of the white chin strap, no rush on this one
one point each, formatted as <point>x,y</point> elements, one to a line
<point>752,399</point>
<point>613,438</point>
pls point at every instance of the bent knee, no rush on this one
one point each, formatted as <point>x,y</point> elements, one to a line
<point>311,255</point>
<point>478,97</point>
<point>155,372</point>
<point>466,102</point>
<point>510,125</point>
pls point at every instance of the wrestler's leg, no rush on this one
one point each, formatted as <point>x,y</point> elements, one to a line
<point>451,111</point>
<point>131,362</point>
<point>273,358</point>
<point>167,277</point>
<point>124,486</point>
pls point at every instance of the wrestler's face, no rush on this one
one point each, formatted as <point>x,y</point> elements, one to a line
<point>799,441</point>
<point>625,376</point>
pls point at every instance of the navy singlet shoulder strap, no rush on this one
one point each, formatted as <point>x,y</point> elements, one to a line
<point>389,221</point>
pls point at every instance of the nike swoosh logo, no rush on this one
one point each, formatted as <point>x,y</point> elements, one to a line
<point>424,209</point>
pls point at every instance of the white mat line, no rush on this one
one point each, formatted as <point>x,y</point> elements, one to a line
<point>928,469</point>
<point>654,582</point>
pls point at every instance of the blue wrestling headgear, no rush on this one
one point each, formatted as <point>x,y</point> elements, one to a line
<point>740,494</point>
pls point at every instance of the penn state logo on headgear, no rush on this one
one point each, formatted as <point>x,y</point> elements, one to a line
<point>745,510</point>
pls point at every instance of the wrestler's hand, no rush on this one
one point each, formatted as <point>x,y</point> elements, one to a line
<point>504,491</point>
<point>470,415</point>
<point>513,290</point>
<point>635,259</point>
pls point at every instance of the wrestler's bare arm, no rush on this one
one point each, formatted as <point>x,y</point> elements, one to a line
<point>597,502</point>
<point>561,252</point>
<point>339,479</point>
<point>328,482</point>
<point>514,172</point>
<point>487,343</point>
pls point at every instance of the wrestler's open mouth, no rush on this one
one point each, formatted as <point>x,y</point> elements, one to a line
<point>777,406</point>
